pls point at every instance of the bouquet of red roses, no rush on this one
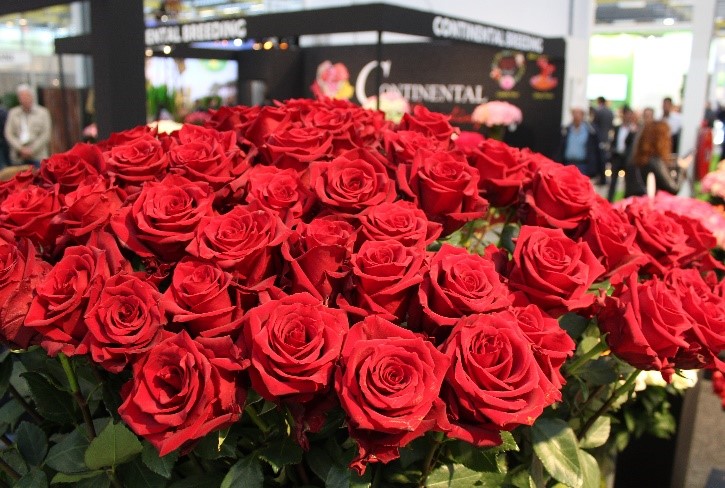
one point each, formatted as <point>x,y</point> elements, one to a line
<point>296,290</point>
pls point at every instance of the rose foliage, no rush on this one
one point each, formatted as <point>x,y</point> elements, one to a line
<point>308,295</point>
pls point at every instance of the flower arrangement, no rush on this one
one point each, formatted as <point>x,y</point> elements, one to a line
<point>308,295</point>
<point>496,113</point>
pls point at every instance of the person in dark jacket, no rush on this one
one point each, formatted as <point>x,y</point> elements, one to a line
<point>653,154</point>
<point>580,145</point>
<point>624,138</point>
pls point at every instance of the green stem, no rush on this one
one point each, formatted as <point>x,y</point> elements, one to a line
<point>77,394</point>
<point>8,470</point>
<point>581,408</point>
<point>37,418</point>
<point>607,405</point>
<point>254,416</point>
<point>591,353</point>
<point>430,457</point>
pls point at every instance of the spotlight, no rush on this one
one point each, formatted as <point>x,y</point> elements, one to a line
<point>238,42</point>
<point>257,46</point>
<point>283,45</point>
<point>149,53</point>
<point>167,49</point>
<point>268,45</point>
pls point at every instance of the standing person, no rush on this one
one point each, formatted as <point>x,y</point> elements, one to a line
<point>603,121</point>
<point>648,115</point>
<point>27,130</point>
<point>624,137</point>
<point>674,120</point>
<point>579,145</point>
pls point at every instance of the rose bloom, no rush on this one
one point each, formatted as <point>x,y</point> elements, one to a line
<point>399,220</point>
<point>385,275</point>
<point>124,320</point>
<point>20,273</point>
<point>199,299</point>
<point>244,241</point>
<point>235,119</point>
<point>494,382</point>
<point>388,383</point>
<point>645,324</point>
<point>293,345</point>
<point>502,171</point>
<point>280,190</point>
<point>72,167</point>
<point>559,197</point>
<point>163,219</point>
<point>352,182</point>
<point>402,145</point>
<point>28,211</point>
<point>553,271</point>
<point>429,123</point>
<point>182,389</point>
<point>19,181</point>
<point>456,284</point>
<point>61,298</point>
<point>136,161</point>
<point>296,148</point>
<point>445,187</point>
<point>315,254</point>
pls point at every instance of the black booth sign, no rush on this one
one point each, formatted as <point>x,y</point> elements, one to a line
<point>452,79</point>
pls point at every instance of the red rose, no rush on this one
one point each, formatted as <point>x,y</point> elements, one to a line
<point>660,237</point>
<point>559,197</point>
<point>244,241</point>
<point>315,253</point>
<point>209,162</point>
<point>28,212</point>
<point>71,168</point>
<point>702,242</point>
<point>494,382</point>
<point>553,271</point>
<point>645,324</point>
<point>163,219</point>
<point>549,342</point>
<point>456,284</point>
<point>445,187</point>
<point>339,123</point>
<point>385,276</point>
<point>181,390</point>
<point>136,161</point>
<point>352,182</point>
<point>280,190</point>
<point>190,133</point>
<point>199,299</point>
<point>89,207</point>
<point>20,273</point>
<point>235,119</point>
<point>61,299</point>
<point>388,383</point>
<point>124,319</point>
<point>124,136</point>
<point>19,181</point>
<point>293,345</point>
<point>502,171</point>
<point>399,220</point>
<point>611,238</point>
<point>268,121</point>
<point>431,124</point>
<point>296,148</point>
<point>401,146</point>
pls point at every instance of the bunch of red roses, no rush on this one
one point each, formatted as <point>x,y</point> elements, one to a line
<point>287,249</point>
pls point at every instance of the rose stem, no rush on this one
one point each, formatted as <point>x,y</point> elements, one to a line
<point>592,396</point>
<point>430,456</point>
<point>76,390</point>
<point>26,406</point>
<point>578,362</point>
<point>254,416</point>
<point>9,470</point>
<point>603,409</point>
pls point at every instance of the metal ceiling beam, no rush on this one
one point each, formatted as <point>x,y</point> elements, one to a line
<point>15,6</point>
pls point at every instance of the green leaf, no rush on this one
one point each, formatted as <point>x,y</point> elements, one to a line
<point>246,472</point>
<point>599,372</point>
<point>67,456</point>
<point>208,480</point>
<point>363,481</point>
<point>520,478</point>
<point>573,324</point>
<point>72,478</point>
<point>34,479</point>
<point>508,234</point>
<point>101,481</point>
<point>281,453</point>
<point>115,445</point>
<point>338,477</point>
<point>415,451</point>
<point>597,434</point>
<point>319,461</point>
<point>137,475</point>
<point>453,476</point>
<point>556,446</point>
<point>11,412</point>
<point>473,457</point>
<point>32,443</point>
<point>492,480</point>
<point>592,477</point>
<point>508,443</point>
<point>159,465</point>
<point>15,460</point>
<point>53,404</point>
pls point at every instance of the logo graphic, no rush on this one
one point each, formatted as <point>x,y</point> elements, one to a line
<point>507,68</point>
<point>333,81</point>
<point>544,81</point>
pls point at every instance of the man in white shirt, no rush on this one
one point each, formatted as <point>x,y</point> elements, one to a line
<point>27,129</point>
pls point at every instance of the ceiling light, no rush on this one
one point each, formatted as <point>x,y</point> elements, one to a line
<point>268,45</point>
<point>238,42</point>
<point>668,21</point>
<point>167,49</point>
<point>149,53</point>
<point>23,22</point>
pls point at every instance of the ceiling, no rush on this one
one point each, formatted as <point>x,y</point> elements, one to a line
<point>668,13</point>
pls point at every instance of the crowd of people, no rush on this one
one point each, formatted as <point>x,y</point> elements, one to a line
<point>635,147</point>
